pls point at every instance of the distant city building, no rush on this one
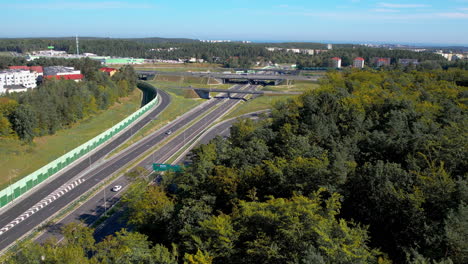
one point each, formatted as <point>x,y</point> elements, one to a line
<point>418,50</point>
<point>458,56</point>
<point>274,49</point>
<point>452,56</point>
<point>87,54</point>
<point>62,73</point>
<point>406,62</point>
<point>329,46</point>
<point>161,49</point>
<point>49,53</point>
<point>358,63</point>
<point>336,62</point>
<point>215,41</point>
<point>307,51</point>
<point>223,41</point>
<point>379,62</point>
<point>294,50</point>
<point>109,71</point>
<point>17,80</point>
<point>320,51</point>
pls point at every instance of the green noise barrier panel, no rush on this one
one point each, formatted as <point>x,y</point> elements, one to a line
<point>22,186</point>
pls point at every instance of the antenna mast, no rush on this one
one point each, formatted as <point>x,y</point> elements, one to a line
<point>77,43</point>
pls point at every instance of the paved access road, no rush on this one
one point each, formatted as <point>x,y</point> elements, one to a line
<point>22,204</point>
<point>92,209</point>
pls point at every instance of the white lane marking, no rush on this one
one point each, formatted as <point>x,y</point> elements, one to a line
<point>43,203</point>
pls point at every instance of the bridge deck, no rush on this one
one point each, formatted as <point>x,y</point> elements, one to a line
<point>253,77</point>
<point>210,90</point>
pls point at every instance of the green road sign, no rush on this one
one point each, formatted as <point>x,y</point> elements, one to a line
<point>50,47</point>
<point>166,167</point>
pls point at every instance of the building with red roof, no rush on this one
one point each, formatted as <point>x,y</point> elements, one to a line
<point>37,69</point>
<point>110,71</point>
<point>381,61</point>
<point>19,68</point>
<point>358,63</point>
<point>336,62</point>
<point>75,77</point>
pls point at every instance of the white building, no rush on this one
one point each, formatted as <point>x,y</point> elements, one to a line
<point>308,51</point>
<point>329,46</point>
<point>17,79</point>
<point>294,50</point>
<point>336,62</point>
<point>50,53</point>
<point>358,63</point>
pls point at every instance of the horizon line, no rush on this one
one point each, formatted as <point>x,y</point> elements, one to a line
<point>344,42</point>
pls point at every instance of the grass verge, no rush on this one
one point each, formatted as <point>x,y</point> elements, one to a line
<point>179,105</point>
<point>257,104</point>
<point>267,102</point>
<point>18,160</point>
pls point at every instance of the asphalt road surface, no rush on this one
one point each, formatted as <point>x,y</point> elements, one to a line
<point>90,211</point>
<point>22,204</point>
<point>233,76</point>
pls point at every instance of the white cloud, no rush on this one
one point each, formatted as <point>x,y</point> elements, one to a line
<point>78,5</point>
<point>385,10</point>
<point>390,5</point>
<point>453,15</point>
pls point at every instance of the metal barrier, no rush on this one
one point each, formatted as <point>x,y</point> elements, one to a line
<point>20,187</point>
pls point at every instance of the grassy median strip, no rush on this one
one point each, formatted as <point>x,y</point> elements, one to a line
<point>268,101</point>
<point>18,160</point>
<point>180,104</point>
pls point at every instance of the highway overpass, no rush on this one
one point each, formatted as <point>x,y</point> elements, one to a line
<point>205,92</point>
<point>229,77</point>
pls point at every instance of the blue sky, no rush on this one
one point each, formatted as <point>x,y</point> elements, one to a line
<point>395,21</point>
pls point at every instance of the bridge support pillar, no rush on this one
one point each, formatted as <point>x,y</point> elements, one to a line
<point>203,94</point>
<point>277,82</point>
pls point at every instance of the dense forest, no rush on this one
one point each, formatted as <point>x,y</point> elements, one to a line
<point>369,168</point>
<point>57,104</point>
<point>231,55</point>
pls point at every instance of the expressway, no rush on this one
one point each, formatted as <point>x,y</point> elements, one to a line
<point>20,205</point>
<point>93,177</point>
<point>91,210</point>
<point>218,75</point>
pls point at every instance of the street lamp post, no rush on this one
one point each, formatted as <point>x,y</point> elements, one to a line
<point>105,202</point>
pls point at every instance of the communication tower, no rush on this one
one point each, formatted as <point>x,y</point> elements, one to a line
<point>77,45</point>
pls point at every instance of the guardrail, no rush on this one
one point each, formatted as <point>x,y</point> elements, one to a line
<point>22,186</point>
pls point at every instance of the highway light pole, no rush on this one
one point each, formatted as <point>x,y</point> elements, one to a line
<point>105,202</point>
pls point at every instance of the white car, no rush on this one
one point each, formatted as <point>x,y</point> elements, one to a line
<point>168,132</point>
<point>116,188</point>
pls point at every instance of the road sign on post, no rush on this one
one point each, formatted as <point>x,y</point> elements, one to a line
<point>166,167</point>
